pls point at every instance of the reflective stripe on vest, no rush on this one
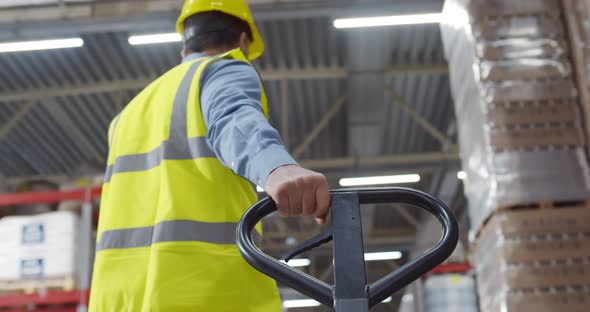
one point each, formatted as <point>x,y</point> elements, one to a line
<point>195,148</point>
<point>170,231</point>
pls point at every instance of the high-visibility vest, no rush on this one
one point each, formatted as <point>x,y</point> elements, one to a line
<point>169,209</point>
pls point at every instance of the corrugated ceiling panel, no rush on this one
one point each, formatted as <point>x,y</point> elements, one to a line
<point>42,143</point>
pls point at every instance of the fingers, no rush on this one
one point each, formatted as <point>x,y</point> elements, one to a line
<point>295,194</point>
<point>298,191</point>
<point>322,202</point>
<point>282,202</point>
<point>309,202</point>
<point>321,220</point>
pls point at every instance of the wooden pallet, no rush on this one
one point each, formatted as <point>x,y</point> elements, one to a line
<point>547,205</point>
<point>30,286</point>
<point>533,138</point>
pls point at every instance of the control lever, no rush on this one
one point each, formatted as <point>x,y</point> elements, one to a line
<point>316,241</point>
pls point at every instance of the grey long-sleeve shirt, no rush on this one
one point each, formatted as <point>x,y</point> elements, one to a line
<point>239,134</point>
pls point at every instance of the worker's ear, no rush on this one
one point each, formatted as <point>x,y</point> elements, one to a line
<point>244,43</point>
<point>183,53</point>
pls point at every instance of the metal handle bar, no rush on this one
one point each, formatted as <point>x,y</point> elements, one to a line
<point>381,289</point>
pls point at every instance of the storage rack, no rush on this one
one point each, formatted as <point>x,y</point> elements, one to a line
<point>58,301</point>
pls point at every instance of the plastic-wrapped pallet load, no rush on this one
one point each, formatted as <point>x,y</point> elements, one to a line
<point>523,146</point>
<point>38,247</point>
<point>450,293</point>
<point>577,15</point>
<point>516,103</point>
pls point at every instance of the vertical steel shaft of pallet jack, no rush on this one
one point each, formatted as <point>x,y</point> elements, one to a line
<point>350,290</point>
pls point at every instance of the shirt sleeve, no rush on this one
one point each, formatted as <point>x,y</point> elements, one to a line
<point>238,132</point>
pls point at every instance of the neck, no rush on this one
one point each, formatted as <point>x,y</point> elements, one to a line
<point>213,52</point>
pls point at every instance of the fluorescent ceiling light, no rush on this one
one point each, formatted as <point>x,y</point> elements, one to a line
<point>429,18</point>
<point>461,175</point>
<point>52,44</point>
<point>304,303</point>
<point>394,179</point>
<point>154,38</point>
<point>390,255</point>
<point>297,262</point>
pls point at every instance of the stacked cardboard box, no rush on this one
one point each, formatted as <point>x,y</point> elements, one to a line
<point>520,127</point>
<point>523,144</point>
<point>535,260</point>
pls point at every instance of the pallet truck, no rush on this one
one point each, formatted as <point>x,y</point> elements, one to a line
<point>350,292</point>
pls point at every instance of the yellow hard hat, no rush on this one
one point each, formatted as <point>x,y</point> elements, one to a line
<point>237,8</point>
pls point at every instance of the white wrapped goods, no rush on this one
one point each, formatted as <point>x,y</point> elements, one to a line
<point>33,247</point>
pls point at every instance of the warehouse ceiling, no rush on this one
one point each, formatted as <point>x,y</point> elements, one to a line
<point>347,102</point>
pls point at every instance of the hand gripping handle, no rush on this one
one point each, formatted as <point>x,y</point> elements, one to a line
<point>382,288</point>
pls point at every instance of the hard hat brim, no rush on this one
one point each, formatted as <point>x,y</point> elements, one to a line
<point>256,48</point>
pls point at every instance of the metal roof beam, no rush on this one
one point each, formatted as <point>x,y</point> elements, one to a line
<point>341,73</point>
<point>312,73</point>
<point>67,124</point>
<point>16,119</point>
<point>336,107</point>
<point>399,160</point>
<point>419,69</point>
<point>336,168</point>
<point>73,90</point>
<point>423,122</point>
<point>132,84</point>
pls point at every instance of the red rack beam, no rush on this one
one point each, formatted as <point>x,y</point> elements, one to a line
<point>51,297</point>
<point>452,268</point>
<point>10,199</point>
<point>52,309</point>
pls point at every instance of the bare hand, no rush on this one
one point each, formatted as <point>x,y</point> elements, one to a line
<point>298,191</point>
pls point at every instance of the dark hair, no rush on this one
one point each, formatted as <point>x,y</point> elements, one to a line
<point>213,30</point>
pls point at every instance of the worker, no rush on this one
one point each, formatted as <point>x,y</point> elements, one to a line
<point>176,185</point>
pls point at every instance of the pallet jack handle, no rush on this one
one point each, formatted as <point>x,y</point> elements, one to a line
<point>350,292</point>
